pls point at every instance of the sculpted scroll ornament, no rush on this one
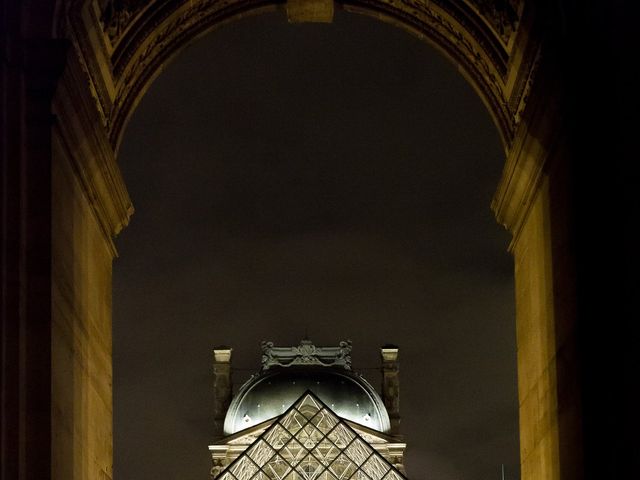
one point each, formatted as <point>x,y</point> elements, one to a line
<point>306,354</point>
<point>218,466</point>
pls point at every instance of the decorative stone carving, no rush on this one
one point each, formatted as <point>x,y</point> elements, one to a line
<point>136,66</point>
<point>306,354</point>
<point>477,34</point>
<point>523,97</point>
<point>456,34</point>
<point>117,14</point>
<point>218,465</point>
<point>502,15</point>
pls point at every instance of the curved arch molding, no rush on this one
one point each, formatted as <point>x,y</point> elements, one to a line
<point>123,45</point>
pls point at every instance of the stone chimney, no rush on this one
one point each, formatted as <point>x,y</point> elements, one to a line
<point>222,388</point>
<point>391,385</point>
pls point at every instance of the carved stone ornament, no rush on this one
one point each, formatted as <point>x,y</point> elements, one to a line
<point>218,466</point>
<point>306,354</point>
<point>149,43</point>
<point>501,14</point>
<point>117,14</point>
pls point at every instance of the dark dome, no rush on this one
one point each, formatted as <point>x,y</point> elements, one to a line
<point>269,394</point>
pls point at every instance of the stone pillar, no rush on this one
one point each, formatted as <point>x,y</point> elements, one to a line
<point>89,206</point>
<point>391,385</point>
<point>534,202</point>
<point>222,388</point>
<point>29,72</point>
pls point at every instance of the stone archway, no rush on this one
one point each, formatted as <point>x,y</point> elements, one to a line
<point>65,201</point>
<point>124,44</point>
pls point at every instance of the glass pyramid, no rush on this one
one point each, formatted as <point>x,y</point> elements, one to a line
<point>310,442</point>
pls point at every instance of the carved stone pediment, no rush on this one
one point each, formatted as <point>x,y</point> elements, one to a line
<point>306,354</point>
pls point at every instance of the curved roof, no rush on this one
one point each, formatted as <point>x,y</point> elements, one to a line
<point>270,393</point>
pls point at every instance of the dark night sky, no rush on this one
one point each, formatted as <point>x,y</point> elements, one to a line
<point>330,179</point>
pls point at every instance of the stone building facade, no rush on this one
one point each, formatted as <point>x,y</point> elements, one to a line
<point>306,415</point>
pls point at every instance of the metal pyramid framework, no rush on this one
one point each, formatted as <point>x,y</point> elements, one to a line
<point>310,442</point>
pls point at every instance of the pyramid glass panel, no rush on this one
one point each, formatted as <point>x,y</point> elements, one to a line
<point>293,452</point>
<point>226,476</point>
<point>277,468</point>
<point>324,420</point>
<point>327,475</point>
<point>376,467</point>
<point>343,467</point>
<point>293,421</point>
<point>326,452</point>
<point>341,435</point>
<point>243,468</point>
<point>260,452</point>
<point>293,475</point>
<point>323,448</point>
<point>260,476</point>
<point>358,451</point>
<point>360,475</point>
<point>393,475</point>
<point>277,436</point>
<point>309,436</point>
<point>309,468</point>
<point>309,406</point>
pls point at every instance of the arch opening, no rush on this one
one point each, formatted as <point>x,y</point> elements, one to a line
<point>140,38</point>
<point>284,224</point>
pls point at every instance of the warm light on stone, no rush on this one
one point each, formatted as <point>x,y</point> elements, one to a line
<point>222,355</point>
<point>389,354</point>
<point>310,11</point>
<point>72,79</point>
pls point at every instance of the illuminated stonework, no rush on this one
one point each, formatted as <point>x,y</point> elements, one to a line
<point>309,439</point>
<point>306,354</point>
